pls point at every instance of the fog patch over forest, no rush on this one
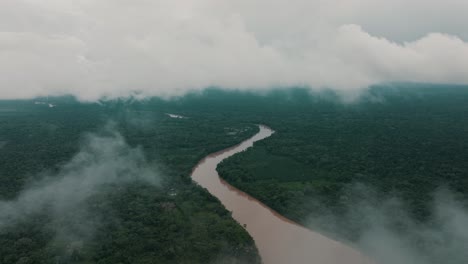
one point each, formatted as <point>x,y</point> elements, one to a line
<point>104,159</point>
<point>386,231</point>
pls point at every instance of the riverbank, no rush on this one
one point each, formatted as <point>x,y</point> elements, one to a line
<point>278,239</point>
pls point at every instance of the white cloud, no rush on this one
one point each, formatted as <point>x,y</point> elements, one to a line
<point>96,48</point>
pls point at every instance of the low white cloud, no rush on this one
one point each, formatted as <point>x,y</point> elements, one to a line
<point>95,49</point>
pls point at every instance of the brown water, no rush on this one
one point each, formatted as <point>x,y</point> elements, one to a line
<point>279,240</point>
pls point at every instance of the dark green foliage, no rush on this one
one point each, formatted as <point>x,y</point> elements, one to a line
<point>177,222</point>
<point>403,141</point>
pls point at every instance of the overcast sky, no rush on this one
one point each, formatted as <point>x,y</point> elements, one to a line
<point>111,48</point>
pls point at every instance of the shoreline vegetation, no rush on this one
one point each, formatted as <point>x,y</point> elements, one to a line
<point>174,221</point>
<point>401,140</point>
<point>336,168</point>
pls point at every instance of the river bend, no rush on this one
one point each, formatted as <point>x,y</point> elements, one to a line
<point>279,240</point>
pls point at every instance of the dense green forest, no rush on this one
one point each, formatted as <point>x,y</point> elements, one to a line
<point>174,221</point>
<point>399,141</point>
<point>402,140</point>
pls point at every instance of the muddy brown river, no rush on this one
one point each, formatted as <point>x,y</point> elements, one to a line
<point>279,240</point>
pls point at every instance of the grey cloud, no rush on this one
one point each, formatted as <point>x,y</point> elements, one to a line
<point>96,49</point>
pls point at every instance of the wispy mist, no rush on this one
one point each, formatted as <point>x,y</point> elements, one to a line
<point>387,231</point>
<point>104,159</point>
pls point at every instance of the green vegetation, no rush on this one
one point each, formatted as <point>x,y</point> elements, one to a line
<point>403,141</point>
<point>399,141</point>
<point>177,222</point>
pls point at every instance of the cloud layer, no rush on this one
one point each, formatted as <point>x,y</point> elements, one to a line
<point>108,48</point>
